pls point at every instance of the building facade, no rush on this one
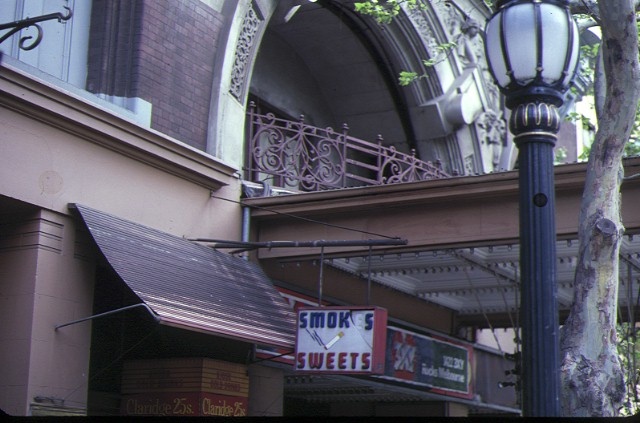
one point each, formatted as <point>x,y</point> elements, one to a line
<point>131,137</point>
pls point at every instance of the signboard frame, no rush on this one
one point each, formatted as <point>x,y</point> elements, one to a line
<point>341,340</point>
<point>445,366</point>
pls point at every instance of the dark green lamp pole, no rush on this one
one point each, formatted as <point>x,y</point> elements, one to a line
<point>532,48</point>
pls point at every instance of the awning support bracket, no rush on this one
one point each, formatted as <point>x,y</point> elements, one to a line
<point>107,313</point>
<point>275,357</point>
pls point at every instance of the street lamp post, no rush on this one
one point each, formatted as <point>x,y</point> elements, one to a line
<point>532,48</point>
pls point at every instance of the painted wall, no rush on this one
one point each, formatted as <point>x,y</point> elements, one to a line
<point>83,154</point>
<point>45,282</point>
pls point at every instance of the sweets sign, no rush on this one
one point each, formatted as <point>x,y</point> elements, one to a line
<point>340,340</point>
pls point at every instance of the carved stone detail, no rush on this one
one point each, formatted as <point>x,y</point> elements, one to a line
<point>469,165</point>
<point>465,31</point>
<point>492,127</point>
<point>423,26</point>
<point>244,52</point>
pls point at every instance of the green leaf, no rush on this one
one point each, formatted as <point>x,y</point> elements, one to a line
<point>407,78</point>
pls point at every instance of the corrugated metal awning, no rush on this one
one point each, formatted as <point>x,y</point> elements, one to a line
<point>193,286</point>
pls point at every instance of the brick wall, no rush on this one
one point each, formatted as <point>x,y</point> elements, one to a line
<point>162,51</point>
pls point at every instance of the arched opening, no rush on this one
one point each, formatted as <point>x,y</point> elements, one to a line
<point>325,62</point>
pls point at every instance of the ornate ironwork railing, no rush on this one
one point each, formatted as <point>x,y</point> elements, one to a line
<point>300,157</point>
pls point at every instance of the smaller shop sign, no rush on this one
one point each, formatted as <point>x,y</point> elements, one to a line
<point>341,340</point>
<point>183,404</point>
<point>443,365</point>
<point>184,387</point>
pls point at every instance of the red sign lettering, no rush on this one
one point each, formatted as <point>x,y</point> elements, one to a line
<point>342,361</point>
<point>330,357</point>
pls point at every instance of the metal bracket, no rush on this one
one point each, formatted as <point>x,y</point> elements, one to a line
<point>28,22</point>
<point>95,316</point>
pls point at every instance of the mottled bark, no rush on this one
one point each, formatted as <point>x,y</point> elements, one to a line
<point>592,377</point>
<point>589,7</point>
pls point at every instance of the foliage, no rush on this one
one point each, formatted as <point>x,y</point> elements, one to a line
<point>407,77</point>
<point>442,50</point>
<point>631,148</point>
<point>588,56</point>
<point>560,155</point>
<point>384,11</point>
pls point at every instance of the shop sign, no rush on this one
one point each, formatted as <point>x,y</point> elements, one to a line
<point>184,387</point>
<point>443,365</point>
<point>341,340</point>
<point>183,404</point>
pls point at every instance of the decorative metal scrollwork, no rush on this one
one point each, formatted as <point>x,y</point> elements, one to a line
<point>26,43</point>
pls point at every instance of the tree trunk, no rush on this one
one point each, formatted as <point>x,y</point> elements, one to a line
<point>592,381</point>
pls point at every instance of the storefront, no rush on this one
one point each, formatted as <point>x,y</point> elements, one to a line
<point>175,326</point>
<point>407,371</point>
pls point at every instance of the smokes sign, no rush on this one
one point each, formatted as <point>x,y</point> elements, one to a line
<point>341,340</point>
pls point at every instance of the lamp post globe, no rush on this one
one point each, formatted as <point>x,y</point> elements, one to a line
<point>532,47</point>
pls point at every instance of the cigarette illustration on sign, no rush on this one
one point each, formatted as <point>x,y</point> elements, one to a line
<point>334,340</point>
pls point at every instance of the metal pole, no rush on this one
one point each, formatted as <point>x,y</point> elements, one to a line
<point>320,277</point>
<point>534,126</point>
<point>369,276</point>
<point>217,243</point>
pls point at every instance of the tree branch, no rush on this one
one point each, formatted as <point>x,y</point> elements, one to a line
<point>586,7</point>
<point>590,7</point>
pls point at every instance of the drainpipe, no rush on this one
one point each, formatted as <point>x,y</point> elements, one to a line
<point>246,225</point>
<point>246,214</point>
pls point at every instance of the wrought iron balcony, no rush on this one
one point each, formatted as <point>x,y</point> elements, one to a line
<point>299,157</point>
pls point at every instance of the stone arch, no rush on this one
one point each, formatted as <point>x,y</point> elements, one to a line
<point>322,60</point>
